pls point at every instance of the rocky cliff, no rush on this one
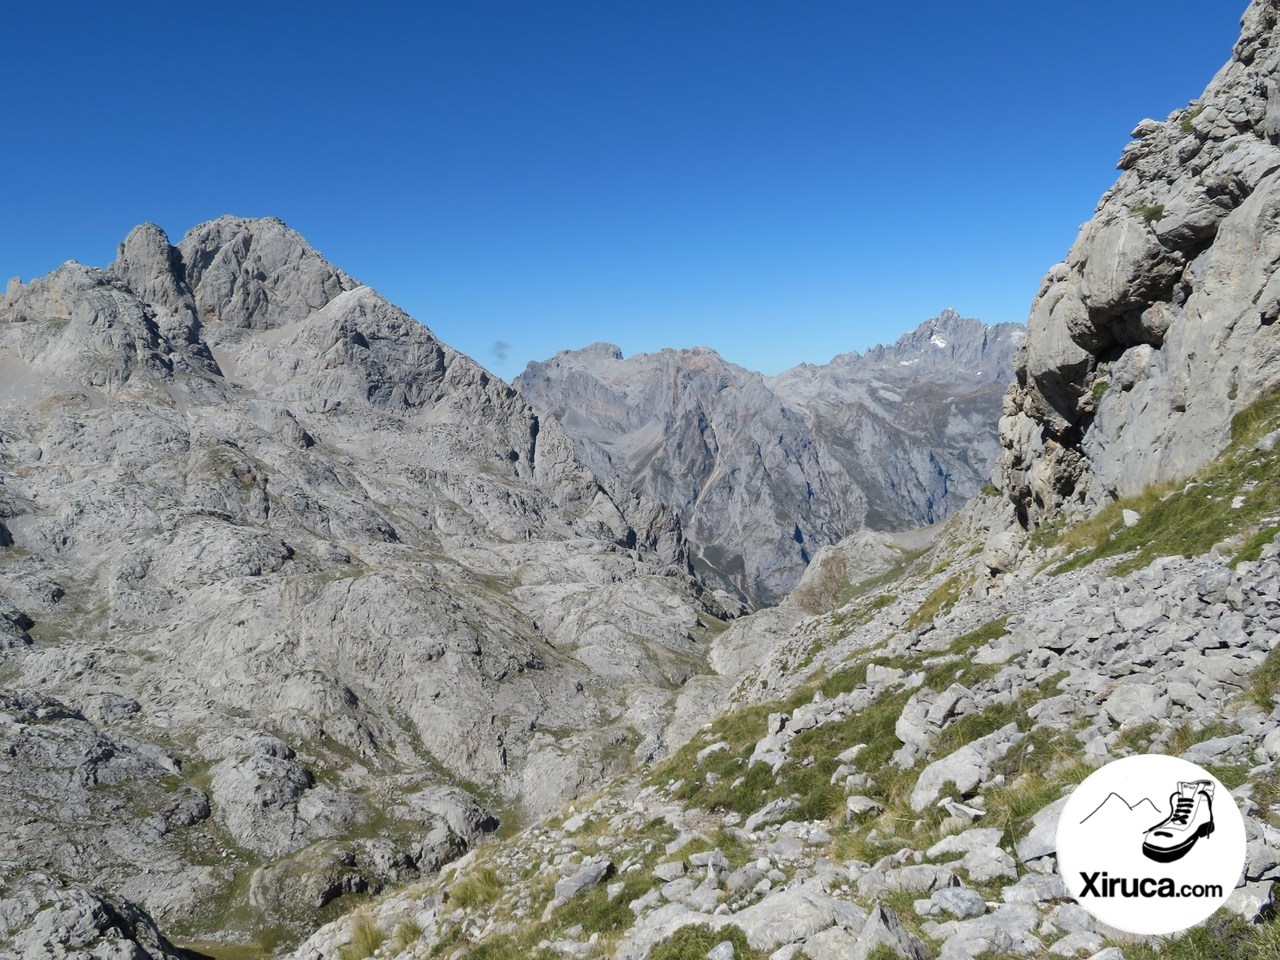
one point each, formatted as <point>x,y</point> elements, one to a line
<point>765,471</point>
<point>295,600</point>
<point>1160,324</point>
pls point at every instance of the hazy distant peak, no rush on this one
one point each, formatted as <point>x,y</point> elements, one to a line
<point>607,351</point>
<point>765,470</point>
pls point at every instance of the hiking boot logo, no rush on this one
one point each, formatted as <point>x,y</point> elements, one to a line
<point>1190,818</point>
<point>1142,865</point>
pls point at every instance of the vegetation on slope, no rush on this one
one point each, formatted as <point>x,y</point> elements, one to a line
<point>1236,498</point>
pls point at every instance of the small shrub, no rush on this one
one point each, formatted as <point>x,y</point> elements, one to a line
<point>1150,213</point>
<point>1099,389</point>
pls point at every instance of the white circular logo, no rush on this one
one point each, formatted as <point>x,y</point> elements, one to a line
<point>1151,844</point>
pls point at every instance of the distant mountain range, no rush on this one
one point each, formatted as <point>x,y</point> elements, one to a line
<point>763,471</point>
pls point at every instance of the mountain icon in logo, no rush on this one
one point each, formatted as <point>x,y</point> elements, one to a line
<point>1116,810</point>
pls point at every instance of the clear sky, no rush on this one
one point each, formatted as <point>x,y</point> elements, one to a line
<point>782,181</point>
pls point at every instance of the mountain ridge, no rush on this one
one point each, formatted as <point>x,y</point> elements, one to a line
<point>269,541</point>
<point>812,454</point>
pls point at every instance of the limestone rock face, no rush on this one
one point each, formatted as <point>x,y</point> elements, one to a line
<point>280,571</point>
<point>766,471</point>
<point>1160,323</point>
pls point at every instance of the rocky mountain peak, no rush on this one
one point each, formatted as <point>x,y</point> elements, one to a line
<point>263,532</point>
<point>605,351</point>
<point>252,273</point>
<point>153,269</point>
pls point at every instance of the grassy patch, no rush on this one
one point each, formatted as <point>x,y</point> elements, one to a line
<point>1099,389</point>
<point>598,914</point>
<point>1137,738</point>
<point>860,614</point>
<point>1185,736</point>
<point>844,681</point>
<point>1036,773</point>
<point>1223,936</point>
<point>694,943</point>
<point>1231,775</point>
<point>735,851</point>
<point>1264,684</point>
<point>943,598</point>
<point>983,635</point>
<point>1266,793</point>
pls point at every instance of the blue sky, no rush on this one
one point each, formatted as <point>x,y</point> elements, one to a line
<point>779,181</point>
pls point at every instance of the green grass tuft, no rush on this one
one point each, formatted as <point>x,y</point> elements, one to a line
<point>1187,123</point>
<point>1150,213</point>
<point>479,888</point>
<point>406,935</point>
<point>694,943</point>
<point>366,938</point>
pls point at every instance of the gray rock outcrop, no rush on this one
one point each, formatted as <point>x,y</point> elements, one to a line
<point>1160,323</point>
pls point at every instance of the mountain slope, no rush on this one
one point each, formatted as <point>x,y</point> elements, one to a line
<point>294,596</point>
<point>766,471</point>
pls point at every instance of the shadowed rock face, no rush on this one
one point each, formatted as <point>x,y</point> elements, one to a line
<point>1160,323</point>
<point>764,471</point>
<point>281,573</point>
